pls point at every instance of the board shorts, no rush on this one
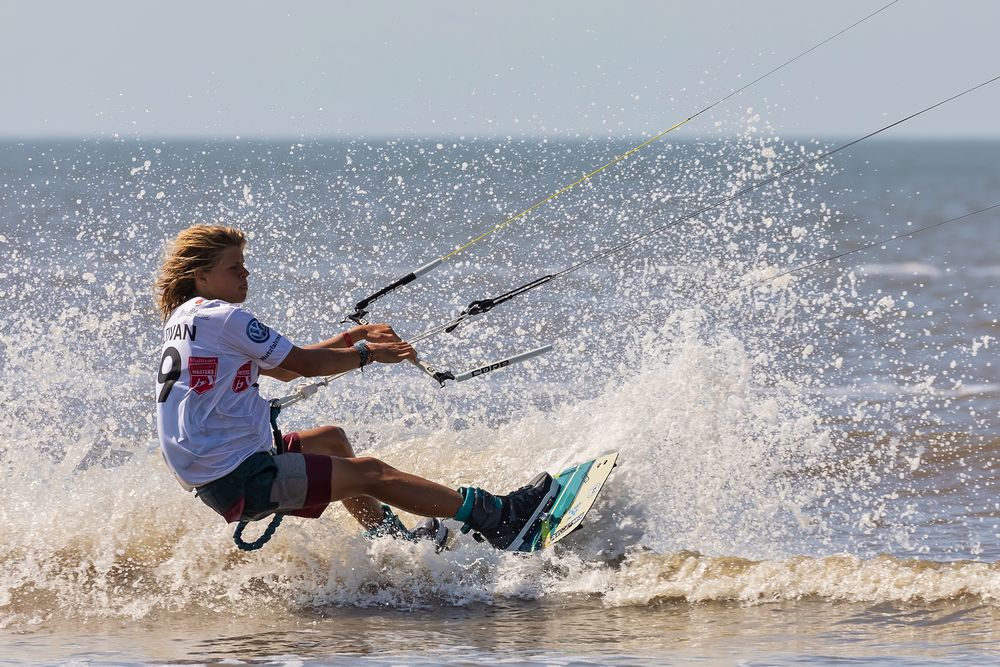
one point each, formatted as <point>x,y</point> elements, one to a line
<point>291,483</point>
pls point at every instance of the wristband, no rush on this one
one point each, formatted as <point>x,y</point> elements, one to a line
<point>348,339</point>
<point>364,352</point>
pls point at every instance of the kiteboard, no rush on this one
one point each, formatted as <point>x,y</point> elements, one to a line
<point>579,487</point>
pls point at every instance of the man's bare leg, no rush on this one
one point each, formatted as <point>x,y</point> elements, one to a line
<point>368,476</point>
<point>332,441</point>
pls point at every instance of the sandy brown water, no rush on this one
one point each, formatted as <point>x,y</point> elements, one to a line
<point>571,630</point>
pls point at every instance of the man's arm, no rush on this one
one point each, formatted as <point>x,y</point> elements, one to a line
<point>317,361</point>
<point>373,333</point>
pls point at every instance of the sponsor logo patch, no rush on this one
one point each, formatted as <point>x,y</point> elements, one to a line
<point>202,372</point>
<point>242,380</point>
<point>271,349</point>
<point>257,332</point>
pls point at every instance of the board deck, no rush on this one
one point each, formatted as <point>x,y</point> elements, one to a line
<point>579,488</point>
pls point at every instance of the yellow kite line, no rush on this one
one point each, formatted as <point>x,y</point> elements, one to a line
<point>564,189</point>
<point>638,148</point>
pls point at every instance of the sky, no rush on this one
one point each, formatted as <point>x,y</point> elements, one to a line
<point>313,69</point>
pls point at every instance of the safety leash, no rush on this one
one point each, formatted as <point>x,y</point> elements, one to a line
<point>279,448</point>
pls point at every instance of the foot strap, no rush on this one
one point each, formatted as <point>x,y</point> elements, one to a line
<point>390,526</point>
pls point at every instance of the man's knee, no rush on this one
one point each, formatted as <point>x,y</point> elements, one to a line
<point>332,440</point>
<point>337,439</point>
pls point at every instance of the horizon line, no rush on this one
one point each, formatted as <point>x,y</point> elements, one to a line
<point>219,138</point>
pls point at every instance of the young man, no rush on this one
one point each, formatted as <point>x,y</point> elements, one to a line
<point>214,427</point>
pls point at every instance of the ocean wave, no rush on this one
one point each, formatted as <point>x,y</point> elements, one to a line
<point>925,270</point>
<point>902,269</point>
<point>392,574</point>
<point>645,578</point>
<point>885,390</point>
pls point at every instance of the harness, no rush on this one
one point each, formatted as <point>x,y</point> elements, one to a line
<point>227,495</point>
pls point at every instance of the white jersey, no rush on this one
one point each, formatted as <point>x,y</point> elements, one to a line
<point>209,414</point>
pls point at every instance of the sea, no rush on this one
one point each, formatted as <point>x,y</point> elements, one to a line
<point>808,448</point>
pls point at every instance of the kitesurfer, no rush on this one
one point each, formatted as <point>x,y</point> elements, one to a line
<point>215,429</point>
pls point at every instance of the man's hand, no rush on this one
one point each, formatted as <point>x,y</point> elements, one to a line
<point>392,353</point>
<point>378,333</point>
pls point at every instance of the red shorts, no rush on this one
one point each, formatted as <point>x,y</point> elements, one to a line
<point>301,486</point>
<point>290,483</point>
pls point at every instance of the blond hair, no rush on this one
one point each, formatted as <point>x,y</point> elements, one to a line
<point>196,248</point>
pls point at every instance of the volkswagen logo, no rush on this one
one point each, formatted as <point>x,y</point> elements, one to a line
<point>257,332</point>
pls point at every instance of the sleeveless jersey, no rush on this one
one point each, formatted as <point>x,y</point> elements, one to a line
<point>209,414</point>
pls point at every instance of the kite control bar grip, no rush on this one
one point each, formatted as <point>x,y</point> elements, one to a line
<point>361,307</point>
